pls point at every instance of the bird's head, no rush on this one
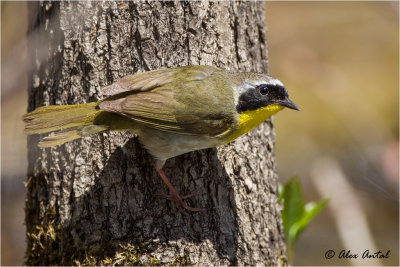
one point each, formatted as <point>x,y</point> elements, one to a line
<point>262,91</point>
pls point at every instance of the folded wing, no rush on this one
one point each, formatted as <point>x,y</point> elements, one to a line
<point>176,100</point>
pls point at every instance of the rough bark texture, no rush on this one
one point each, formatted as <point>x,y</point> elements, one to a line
<point>92,201</point>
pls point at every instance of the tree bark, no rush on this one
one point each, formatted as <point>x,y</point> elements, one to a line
<point>92,201</point>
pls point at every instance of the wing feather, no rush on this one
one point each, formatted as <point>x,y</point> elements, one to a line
<point>157,101</point>
<point>140,82</point>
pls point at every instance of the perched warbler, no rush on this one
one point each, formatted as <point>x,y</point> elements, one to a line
<point>173,111</point>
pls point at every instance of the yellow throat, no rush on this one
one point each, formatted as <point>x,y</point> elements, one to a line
<point>252,118</point>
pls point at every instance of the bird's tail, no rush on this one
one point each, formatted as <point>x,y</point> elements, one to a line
<point>70,121</point>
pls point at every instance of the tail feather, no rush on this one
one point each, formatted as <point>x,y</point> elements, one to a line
<point>62,137</point>
<point>71,122</point>
<point>59,138</point>
<point>52,118</point>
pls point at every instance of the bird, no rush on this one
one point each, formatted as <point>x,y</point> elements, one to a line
<point>172,111</point>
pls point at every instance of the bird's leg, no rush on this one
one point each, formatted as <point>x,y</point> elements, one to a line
<point>175,196</point>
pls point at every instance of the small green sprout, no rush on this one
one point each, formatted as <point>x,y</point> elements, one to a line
<point>296,215</point>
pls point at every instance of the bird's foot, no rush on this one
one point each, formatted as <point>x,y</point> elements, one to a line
<point>180,204</point>
<point>175,197</point>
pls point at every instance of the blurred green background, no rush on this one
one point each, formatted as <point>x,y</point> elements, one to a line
<point>339,61</point>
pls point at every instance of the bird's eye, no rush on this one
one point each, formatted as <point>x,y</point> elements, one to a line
<point>263,89</point>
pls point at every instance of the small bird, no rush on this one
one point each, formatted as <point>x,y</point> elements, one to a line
<point>172,111</point>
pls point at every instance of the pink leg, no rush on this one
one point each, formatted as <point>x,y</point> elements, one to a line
<point>175,196</point>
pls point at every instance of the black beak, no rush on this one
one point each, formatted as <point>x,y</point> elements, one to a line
<point>287,103</point>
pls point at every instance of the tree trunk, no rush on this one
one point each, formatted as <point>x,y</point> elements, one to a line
<point>92,201</point>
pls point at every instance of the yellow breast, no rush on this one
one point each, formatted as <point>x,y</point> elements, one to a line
<point>252,118</point>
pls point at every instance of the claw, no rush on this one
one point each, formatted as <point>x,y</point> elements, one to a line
<point>179,202</point>
<point>175,197</point>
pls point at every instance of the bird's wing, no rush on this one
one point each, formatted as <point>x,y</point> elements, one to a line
<point>140,82</point>
<point>152,79</point>
<point>184,110</point>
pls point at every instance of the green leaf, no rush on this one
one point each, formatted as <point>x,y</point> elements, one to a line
<point>295,215</point>
<point>310,211</point>
<point>293,206</point>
